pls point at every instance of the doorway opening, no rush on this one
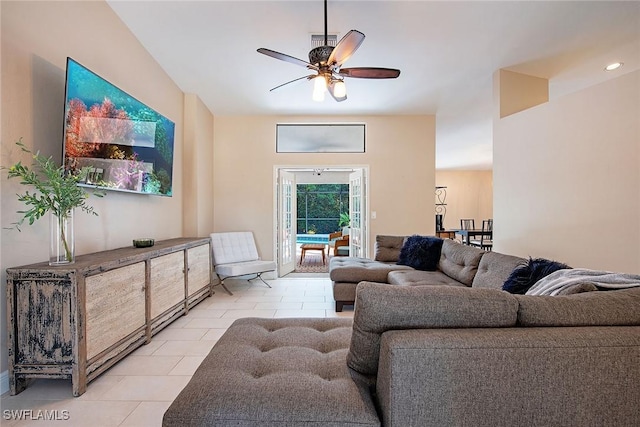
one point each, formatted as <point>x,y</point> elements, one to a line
<point>312,202</point>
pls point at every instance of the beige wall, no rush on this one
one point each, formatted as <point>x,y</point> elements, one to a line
<point>198,171</point>
<point>36,39</point>
<point>469,195</point>
<point>400,153</point>
<point>567,178</point>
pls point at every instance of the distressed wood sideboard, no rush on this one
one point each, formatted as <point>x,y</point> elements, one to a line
<point>76,321</point>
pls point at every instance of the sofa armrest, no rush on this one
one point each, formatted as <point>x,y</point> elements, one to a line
<point>510,376</point>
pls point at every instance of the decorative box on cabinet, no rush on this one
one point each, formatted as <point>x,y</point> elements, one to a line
<point>76,321</point>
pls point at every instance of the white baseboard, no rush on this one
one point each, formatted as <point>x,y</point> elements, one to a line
<point>4,382</point>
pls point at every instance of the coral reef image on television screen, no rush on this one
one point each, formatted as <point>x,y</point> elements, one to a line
<point>112,140</point>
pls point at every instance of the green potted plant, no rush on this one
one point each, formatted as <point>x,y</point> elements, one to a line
<point>344,220</point>
<point>55,192</point>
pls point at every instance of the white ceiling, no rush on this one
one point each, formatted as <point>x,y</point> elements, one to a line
<point>447,52</point>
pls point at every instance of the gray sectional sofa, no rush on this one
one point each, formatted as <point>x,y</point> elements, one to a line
<point>462,355</point>
<point>459,265</point>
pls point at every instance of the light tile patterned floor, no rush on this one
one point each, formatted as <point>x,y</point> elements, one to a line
<point>137,390</point>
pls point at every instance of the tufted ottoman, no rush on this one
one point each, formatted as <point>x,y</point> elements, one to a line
<point>276,372</point>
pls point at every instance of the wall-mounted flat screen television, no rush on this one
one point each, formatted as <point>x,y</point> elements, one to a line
<point>112,140</point>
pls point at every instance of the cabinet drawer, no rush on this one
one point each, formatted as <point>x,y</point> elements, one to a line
<point>198,272</point>
<point>167,282</point>
<point>115,306</point>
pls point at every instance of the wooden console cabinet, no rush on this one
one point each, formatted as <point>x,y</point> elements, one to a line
<point>76,321</point>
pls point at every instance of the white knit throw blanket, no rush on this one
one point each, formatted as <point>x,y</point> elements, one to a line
<point>559,280</point>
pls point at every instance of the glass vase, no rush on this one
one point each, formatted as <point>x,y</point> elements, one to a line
<point>62,249</point>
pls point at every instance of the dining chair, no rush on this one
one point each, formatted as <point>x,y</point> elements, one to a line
<point>486,238</point>
<point>467,224</point>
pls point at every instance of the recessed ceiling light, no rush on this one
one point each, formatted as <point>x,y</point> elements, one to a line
<point>613,66</point>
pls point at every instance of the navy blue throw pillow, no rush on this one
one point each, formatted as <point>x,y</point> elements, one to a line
<point>524,277</point>
<point>421,252</point>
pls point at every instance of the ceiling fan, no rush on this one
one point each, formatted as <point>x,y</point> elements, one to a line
<point>327,62</point>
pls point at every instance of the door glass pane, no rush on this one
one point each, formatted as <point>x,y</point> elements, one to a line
<point>287,250</point>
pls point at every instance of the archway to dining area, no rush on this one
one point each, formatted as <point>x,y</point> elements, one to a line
<point>468,195</point>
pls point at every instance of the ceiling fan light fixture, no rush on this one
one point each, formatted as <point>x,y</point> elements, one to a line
<point>319,88</point>
<point>327,59</point>
<point>340,89</point>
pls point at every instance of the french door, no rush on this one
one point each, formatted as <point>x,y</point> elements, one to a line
<point>286,216</point>
<point>357,213</point>
<point>287,227</point>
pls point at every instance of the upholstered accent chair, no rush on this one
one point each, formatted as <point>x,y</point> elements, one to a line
<point>235,254</point>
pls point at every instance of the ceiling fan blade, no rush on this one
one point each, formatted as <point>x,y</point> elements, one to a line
<point>370,73</point>
<point>332,91</point>
<point>287,58</point>
<point>292,81</point>
<point>345,48</point>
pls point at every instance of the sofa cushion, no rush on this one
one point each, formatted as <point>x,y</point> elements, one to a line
<point>387,248</point>
<point>494,269</point>
<point>419,278</point>
<point>525,276</point>
<point>459,261</point>
<point>380,307</point>
<point>600,308</point>
<point>276,372</point>
<point>421,252</point>
<point>354,270</point>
